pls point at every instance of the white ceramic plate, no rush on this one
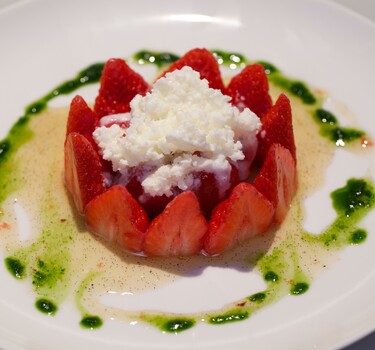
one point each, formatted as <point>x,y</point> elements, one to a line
<point>45,42</point>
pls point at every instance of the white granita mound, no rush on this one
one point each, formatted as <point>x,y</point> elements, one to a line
<point>180,127</point>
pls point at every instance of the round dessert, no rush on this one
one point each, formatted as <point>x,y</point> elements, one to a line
<point>185,166</point>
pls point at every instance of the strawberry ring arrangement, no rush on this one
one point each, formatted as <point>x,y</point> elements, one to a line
<point>186,166</point>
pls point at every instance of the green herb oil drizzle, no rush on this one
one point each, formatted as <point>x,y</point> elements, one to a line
<point>88,320</point>
<point>281,268</point>
<point>46,261</point>
<point>20,132</point>
<point>351,204</point>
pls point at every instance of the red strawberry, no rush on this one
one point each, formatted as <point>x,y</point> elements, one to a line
<point>244,214</point>
<point>117,217</point>
<point>156,204</point>
<point>202,61</point>
<point>81,119</point>
<point>178,230</point>
<point>277,127</point>
<point>277,179</point>
<point>209,193</point>
<point>153,205</point>
<point>249,89</point>
<point>118,85</point>
<point>83,170</point>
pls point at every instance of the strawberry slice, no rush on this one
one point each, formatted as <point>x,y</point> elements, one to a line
<point>118,85</point>
<point>277,127</point>
<point>81,119</point>
<point>178,230</point>
<point>83,170</point>
<point>277,180</point>
<point>249,88</point>
<point>244,214</point>
<point>117,217</point>
<point>202,61</point>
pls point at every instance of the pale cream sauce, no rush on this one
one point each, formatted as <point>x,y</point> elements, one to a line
<point>44,193</point>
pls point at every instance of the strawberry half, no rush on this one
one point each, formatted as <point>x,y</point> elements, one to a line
<point>277,127</point>
<point>244,214</point>
<point>277,180</point>
<point>117,217</point>
<point>249,88</point>
<point>81,119</point>
<point>178,230</point>
<point>118,86</point>
<point>202,61</point>
<point>83,170</point>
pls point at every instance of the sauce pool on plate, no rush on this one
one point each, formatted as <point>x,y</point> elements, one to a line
<point>60,258</point>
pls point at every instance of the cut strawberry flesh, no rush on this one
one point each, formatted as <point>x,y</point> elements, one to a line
<point>178,230</point>
<point>244,214</point>
<point>83,170</point>
<point>277,180</point>
<point>249,88</point>
<point>203,62</point>
<point>117,217</point>
<point>118,86</point>
<point>277,127</point>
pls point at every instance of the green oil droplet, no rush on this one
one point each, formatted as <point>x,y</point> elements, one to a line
<point>325,117</point>
<point>295,87</point>
<point>4,148</point>
<point>230,316</point>
<point>329,128</point>
<point>271,276</point>
<point>15,267</point>
<point>177,325</point>
<point>299,288</point>
<point>231,59</point>
<point>258,297</point>
<point>46,306</point>
<point>358,236</point>
<point>358,195</point>
<point>341,136</point>
<point>91,322</point>
<point>170,324</point>
<point>299,89</point>
<point>157,58</point>
<point>36,107</point>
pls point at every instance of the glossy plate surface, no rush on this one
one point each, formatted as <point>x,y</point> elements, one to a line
<point>45,42</point>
